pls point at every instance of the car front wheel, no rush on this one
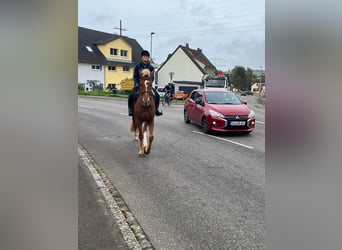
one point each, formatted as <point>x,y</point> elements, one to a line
<point>186,117</point>
<point>205,126</point>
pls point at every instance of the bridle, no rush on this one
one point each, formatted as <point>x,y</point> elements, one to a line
<point>146,91</point>
<point>146,103</point>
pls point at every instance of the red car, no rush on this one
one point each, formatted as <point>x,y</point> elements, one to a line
<point>217,109</point>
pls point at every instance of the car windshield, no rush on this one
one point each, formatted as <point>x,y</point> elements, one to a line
<point>222,98</point>
<point>215,83</point>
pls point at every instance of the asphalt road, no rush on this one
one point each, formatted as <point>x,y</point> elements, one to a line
<point>193,191</point>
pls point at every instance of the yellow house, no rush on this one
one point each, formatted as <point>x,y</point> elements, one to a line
<point>119,62</point>
<point>106,59</point>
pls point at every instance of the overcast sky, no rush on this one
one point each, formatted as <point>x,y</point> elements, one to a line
<point>229,32</point>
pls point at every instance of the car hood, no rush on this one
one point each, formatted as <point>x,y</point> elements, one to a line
<point>230,109</point>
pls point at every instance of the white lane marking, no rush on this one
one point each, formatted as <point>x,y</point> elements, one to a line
<point>260,122</point>
<point>222,139</point>
<point>86,107</point>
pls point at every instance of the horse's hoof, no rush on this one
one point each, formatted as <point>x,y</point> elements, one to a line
<point>141,155</point>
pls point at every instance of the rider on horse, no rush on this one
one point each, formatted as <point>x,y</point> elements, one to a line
<point>144,64</point>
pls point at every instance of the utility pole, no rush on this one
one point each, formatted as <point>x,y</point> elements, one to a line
<point>121,29</point>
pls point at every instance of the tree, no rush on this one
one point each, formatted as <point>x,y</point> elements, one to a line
<point>249,78</point>
<point>242,78</point>
<point>238,77</point>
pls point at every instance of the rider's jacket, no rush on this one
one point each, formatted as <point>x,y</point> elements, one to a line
<point>139,67</point>
<point>167,89</point>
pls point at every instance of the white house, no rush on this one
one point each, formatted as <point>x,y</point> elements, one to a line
<point>259,84</point>
<point>91,75</point>
<point>185,68</point>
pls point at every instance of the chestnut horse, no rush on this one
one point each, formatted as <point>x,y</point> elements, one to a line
<point>144,112</point>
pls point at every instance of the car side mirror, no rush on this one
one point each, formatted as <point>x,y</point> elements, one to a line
<point>244,102</point>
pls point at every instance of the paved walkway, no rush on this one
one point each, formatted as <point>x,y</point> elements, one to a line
<point>97,229</point>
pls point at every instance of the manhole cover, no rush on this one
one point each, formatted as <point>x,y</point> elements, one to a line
<point>111,137</point>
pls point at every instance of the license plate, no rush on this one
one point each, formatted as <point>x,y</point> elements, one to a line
<point>237,123</point>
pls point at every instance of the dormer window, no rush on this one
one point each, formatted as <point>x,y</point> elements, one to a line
<point>89,48</point>
<point>113,52</point>
<point>124,53</point>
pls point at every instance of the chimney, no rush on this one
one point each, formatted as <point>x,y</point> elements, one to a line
<point>199,50</point>
<point>187,45</point>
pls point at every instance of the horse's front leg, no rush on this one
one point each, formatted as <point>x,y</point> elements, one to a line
<point>141,142</point>
<point>150,138</point>
<point>135,137</point>
<point>145,135</point>
<point>134,132</point>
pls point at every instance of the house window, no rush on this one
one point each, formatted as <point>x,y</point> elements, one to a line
<point>113,52</point>
<point>125,69</point>
<point>96,67</point>
<point>124,53</point>
<point>111,68</point>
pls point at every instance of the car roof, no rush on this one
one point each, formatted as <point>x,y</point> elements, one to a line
<point>214,90</point>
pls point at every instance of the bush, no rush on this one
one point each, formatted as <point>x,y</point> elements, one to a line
<point>261,99</point>
<point>81,86</point>
<point>97,87</point>
<point>101,93</point>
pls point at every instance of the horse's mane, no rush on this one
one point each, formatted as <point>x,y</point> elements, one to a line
<point>146,73</point>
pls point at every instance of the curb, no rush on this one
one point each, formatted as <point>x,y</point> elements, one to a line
<point>131,231</point>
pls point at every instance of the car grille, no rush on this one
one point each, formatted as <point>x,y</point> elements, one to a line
<point>230,118</point>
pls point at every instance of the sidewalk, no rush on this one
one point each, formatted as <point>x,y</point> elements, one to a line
<point>97,229</point>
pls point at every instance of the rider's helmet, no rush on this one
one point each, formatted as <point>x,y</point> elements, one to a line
<point>145,53</point>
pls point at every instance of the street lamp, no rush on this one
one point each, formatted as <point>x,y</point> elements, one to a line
<point>152,33</point>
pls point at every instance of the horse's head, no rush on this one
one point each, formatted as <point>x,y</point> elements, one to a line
<point>146,92</point>
<point>145,73</point>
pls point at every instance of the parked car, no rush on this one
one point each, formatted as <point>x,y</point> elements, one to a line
<point>182,95</point>
<point>218,110</point>
<point>246,92</point>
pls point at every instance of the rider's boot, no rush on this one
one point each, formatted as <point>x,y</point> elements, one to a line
<point>130,104</point>
<point>157,100</point>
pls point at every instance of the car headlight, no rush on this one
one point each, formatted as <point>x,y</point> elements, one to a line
<point>251,114</point>
<point>215,114</point>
